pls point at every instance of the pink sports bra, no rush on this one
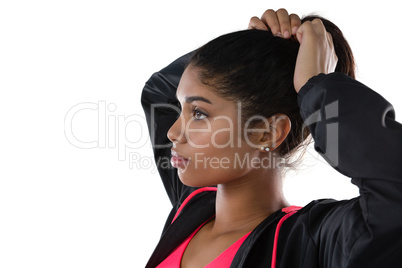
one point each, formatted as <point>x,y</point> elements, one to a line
<point>223,260</point>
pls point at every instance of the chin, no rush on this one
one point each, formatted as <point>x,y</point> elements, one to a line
<point>200,179</point>
<point>192,180</point>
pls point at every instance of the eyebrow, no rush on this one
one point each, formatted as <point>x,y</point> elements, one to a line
<point>197,98</point>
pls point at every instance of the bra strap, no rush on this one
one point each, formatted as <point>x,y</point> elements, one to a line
<point>289,212</point>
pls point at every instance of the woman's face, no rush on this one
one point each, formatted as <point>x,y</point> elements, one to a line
<point>209,143</point>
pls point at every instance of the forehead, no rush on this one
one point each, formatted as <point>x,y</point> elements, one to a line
<point>192,89</point>
<point>190,85</point>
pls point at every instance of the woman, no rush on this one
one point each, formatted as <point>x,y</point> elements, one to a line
<point>245,99</point>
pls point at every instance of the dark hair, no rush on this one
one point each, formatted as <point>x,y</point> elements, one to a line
<point>256,68</point>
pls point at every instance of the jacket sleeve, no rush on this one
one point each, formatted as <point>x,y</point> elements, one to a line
<point>355,131</point>
<point>161,111</point>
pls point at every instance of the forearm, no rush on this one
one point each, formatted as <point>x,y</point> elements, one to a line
<point>161,110</point>
<point>353,127</point>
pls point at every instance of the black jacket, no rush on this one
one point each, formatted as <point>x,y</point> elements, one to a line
<point>341,113</point>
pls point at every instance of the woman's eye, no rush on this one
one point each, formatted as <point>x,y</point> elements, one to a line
<point>199,115</point>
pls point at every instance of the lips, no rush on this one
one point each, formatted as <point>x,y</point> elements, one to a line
<point>178,161</point>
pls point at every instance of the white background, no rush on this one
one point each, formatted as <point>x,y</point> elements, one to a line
<point>64,206</point>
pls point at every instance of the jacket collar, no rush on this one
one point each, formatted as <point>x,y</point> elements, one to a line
<point>196,212</point>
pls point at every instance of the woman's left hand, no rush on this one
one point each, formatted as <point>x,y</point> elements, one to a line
<point>280,23</point>
<point>316,53</point>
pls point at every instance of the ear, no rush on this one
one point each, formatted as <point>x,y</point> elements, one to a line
<point>276,129</point>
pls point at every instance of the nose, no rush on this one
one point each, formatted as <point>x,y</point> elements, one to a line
<point>176,131</point>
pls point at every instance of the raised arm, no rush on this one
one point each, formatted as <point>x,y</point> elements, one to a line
<point>355,131</point>
<point>343,113</point>
<point>161,111</point>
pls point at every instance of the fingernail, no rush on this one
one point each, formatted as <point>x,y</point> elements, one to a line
<point>294,30</point>
<point>279,34</point>
<point>286,34</point>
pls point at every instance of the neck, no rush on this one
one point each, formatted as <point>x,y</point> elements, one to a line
<point>242,204</point>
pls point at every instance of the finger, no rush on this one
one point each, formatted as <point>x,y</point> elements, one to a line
<point>256,23</point>
<point>313,28</point>
<point>284,22</point>
<point>306,26</point>
<point>271,20</point>
<point>295,23</point>
<point>319,27</point>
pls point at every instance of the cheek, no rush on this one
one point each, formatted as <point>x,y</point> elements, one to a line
<point>223,138</point>
<point>198,135</point>
<point>217,154</point>
<point>225,133</point>
<point>215,134</point>
<point>211,166</point>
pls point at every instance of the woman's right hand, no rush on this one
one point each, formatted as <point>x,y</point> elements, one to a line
<point>279,22</point>
<point>316,53</point>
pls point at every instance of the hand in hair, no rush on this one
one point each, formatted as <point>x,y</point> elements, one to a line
<point>316,53</point>
<point>280,23</point>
